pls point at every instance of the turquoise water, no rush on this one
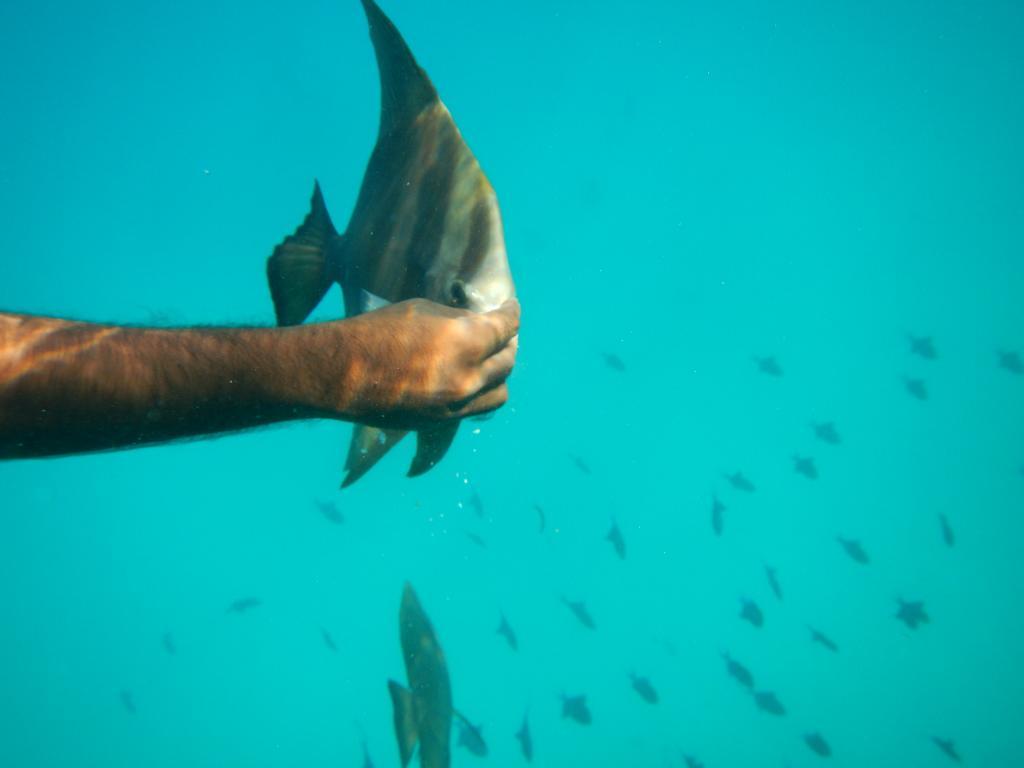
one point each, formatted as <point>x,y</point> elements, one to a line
<point>684,186</point>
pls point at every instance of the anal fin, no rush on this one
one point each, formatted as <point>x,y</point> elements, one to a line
<point>431,446</point>
<point>405,721</point>
<point>368,446</point>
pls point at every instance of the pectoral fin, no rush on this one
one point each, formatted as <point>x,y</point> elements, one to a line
<point>431,446</point>
<point>368,446</point>
<point>405,721</point>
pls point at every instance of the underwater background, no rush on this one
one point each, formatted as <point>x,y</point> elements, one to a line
<point>685,187</point>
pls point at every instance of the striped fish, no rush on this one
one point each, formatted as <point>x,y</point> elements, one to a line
<point>426,225</point>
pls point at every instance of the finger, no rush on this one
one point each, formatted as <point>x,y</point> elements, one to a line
<point>497,368</point>
<point>503,324</point>
<point>489,401</point>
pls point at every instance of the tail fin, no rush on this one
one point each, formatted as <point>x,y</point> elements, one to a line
<point>405,722</point>
<point>431,446</point>
<point>297,270</point>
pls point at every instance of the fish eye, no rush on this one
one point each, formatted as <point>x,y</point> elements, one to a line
<point>457,294</point>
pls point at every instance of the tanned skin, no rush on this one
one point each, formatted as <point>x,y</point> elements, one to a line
<point>69,387</point>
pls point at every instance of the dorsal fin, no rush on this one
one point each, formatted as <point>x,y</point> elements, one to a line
<point>405,89</point>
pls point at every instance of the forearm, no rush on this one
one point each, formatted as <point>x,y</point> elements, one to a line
<point>71,387</point>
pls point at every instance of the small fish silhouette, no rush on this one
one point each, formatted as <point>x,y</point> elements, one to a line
<point>922,346</point>
<point>817,744</point>
<point>804,465</point>
<point>751,612</point>
<point>525,740</point>
<point>854,549</point>
<point>740,482</point>
<point>773,581</point>
<point>768,702</point>
<point>328,640</point>
<point>579,610</point>
<point>1011,362</point>
<point>614,536</point>
<point>471,737</point>
<point>506,631</point>
<point>169,644</point>
<point>244,605</point>
<point>644,688</point>
<point>692,762</point>
<point>614,362</point>
<point>575,708</point>
<point>823,640</point>
<point>947,531</point>
<point>738,672</point>
<point>768,366</point>
<point>717,518</point>
<point>476,503</point>
<point>912,613</point>
<point>581,465</point>
<point>826,432</point>
<point>541,518</point>
<point>916,388</point>
<point>948,747</point>
<point>128,702</point>
<point>330,512</point>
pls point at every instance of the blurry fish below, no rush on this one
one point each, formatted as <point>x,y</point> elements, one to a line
<point>817,744</point>
<point>717,517</point>
<point>645,690</point>
<point>575,708</point>
<point>614,362</point>
<point>425,224</point>
<point>581,465</point>
<point>826,432</point>
<point>768,366</point>
<point>922,346</point>
<point>948,748</point>
<point>853,548</point>
<point>804,465</point>
<point>692,762</point>
<point>768,702</point>
<point>738,672</point>
<point>916,388</point>
<point>244,605</point>
<point>614,537</point>
<point>823,640</point>
<point>476,539</point>
<point>477,503</point>
<point>525,740</point>
<point>330,512</point>
<point>169,644</point>
<point>751,613</point>
<point>541,518</point>
<point>912,613</point>
<point>128,702</point>
<point>328,640</point>
<point>1011,362</point>
<point>773,581</point>
<point>947,531</point>
<point>740,482</point>
<point>579,610</point>
<point>506,631</point>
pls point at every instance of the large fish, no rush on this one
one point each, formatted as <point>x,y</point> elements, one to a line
<point>423,712</point>
<point>426,225</point>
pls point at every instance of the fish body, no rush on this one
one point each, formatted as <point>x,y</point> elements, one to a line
<point>768,366</point>
<point>717,516</point>
<point>751,612</point>
<point>128,702</point>
<point>541,518</point>
<point>740,482</point>
<point>948,748</point>
<point>916,388</point>
<point>817,744</point>
<point>823,640</point>
<point>912,613</point>
<point>854,549</point>
<point>614,537</point>
<point>506,631</point>
<point>169,645</point>
<point>738,672</point>
<point>476,503</point>
<point>330,512</point>
<point>645,690</point>
<point>1011,362</point>
<point>826,432</point>
<point>426,224</point>
<point>525,740</point>
<point>579,610</point>
<point>947,531</point>
<point>804,465</point>
<point>692,762</point>
<point>614,362</point>
<point>328,640</point>
<point>575,708</point>
<point>922,346</point>
<point>244,605</point>
<point>423,712</point>
<point>773,581</point>
<point>581,465</point>
<point>768,702</point>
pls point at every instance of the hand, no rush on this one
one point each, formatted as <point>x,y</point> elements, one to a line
<point>418,363</point>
